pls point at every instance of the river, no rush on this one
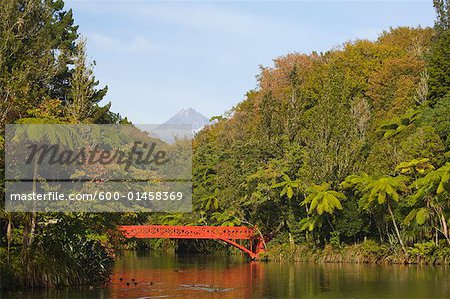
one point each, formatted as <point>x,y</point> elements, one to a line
<point>144,275</point>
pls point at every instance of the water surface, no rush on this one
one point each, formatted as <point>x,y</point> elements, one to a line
<point>143,275</point>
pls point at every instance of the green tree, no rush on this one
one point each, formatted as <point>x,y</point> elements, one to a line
<point>54,135</point>
<point>320,199</point>
<point>442,8</point>
<point>287,186</point>
<point>83,96</point>
<point>397,125</point>
<point>210,201</point>
<point>382,191</point>
<point>32,31</point>
<point>415,167</point>
<point>434,191</point>
<point>437,118</point>
<point>439,57</point>
<point>439,68</point>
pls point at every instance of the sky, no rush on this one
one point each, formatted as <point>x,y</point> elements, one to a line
<point>158,57</point>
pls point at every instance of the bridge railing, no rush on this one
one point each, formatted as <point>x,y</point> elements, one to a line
<point>187,232</point>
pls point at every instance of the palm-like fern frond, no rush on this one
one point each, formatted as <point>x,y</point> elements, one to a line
<point>322,199</point>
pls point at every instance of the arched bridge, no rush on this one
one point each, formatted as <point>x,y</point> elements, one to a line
<point>228,234</point>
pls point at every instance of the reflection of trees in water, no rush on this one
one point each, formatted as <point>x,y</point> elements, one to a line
<point>232,277</point>
<point>294,280</point>
<point>196,277</point>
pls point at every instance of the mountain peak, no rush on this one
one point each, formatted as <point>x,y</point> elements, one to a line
<point>188,116</point>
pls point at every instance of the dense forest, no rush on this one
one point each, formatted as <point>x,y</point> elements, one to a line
<point>45,78</point>
<point>344,149</point>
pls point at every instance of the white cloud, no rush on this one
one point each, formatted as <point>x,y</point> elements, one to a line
<point>135,45</point>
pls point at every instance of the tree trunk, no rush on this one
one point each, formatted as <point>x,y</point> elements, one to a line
<point>396,228</point>
<point>9,236</point>
<point>380,232</point>
<point>25,240</point>
<point>445,227</point>
<point>32,227</point>
<point>33,214</point>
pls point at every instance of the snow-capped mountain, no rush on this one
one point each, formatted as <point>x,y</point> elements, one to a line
<point>189,116</point>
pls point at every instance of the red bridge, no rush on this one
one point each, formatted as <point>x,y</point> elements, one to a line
<point>228,234</point>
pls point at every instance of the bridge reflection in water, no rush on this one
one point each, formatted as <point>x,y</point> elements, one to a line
<point>198,277</point>
<point>185,277</point>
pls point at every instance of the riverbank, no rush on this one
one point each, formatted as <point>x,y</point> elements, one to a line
<point>367,252</point>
